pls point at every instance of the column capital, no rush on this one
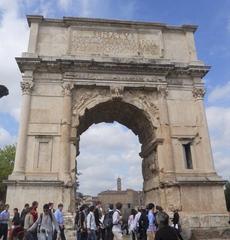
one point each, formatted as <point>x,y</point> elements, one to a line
<point>198,93</point>
<point>67,88</point>
<point>26,87</point>
<point>163,91</point>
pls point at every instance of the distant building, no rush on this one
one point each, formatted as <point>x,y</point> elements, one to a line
<point>87,200</point>
<point>118,184</point>
<point>129,198</point>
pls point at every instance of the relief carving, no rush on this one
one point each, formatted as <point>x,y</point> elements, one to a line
<point>116,92</point>
<point>198,93</point>
<point>67,88</point>
<point>163,91</point>
<point>149,165</point>
<point>27,87</point>
<point>146,101</point>
<point>84,97</point>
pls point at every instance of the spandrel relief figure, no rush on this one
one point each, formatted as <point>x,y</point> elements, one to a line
<point>149,166</point>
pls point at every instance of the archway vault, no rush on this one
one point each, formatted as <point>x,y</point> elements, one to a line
<point>134,109</point>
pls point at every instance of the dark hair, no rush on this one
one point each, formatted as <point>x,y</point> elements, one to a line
<point>159,208</point>
<point>164,219</point>
<point>34,203</point>
<point>98,202</point>
<point>16,209</point>
<point>30,209</point>
<point>151,206</point>
<point>91,208</point>
<point>133,212</point>
<point>118,205</point>
<point>46,206</point>
<point>26,205</point>
<point>111,206</point>
<point>60,205</point>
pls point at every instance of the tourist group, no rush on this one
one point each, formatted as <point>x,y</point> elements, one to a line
<point>91,223</point>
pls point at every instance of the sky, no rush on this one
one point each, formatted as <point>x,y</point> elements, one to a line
<point>99,156</point>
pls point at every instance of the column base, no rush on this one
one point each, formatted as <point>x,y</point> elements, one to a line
<point>190,195</point>
<point>17,176</point>
<point>20,192</point>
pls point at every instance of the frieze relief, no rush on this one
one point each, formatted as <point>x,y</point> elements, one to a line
<point>114,77</point>
<point>117,44</point>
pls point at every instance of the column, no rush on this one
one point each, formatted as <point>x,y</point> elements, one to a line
<point>168,160</point>
<point>65,133</point>
<point>20,159</point>
<point>198,94</point>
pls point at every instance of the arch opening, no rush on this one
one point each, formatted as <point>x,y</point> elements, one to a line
<point>132,117</point>
<point>124,113</point>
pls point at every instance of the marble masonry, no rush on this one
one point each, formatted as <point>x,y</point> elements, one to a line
<point>146,76</point>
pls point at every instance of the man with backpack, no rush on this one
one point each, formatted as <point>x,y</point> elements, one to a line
<point>143,224</point>
<point>81,223</point>
<point>44,225</point>
<point>108,223</point>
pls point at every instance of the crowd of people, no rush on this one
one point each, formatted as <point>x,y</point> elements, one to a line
<point>91,223</point>
<point>29,225</point>
<point>143,224</point>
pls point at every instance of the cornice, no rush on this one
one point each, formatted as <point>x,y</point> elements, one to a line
<point>123,67</point>
<point>73,21</point>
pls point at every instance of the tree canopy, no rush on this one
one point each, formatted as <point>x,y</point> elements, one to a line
<point>7,156</point>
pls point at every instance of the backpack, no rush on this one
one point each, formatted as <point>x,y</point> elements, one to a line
<point>143,221</point>
<point>40,222</point>
<point>108,220</point>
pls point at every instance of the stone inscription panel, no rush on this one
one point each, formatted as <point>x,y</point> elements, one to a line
<point>116,44</point>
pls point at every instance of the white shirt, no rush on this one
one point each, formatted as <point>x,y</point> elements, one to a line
<point>91,224</point>
<point>117,221</point>
<point>136,220</point>
<point>131,223</point>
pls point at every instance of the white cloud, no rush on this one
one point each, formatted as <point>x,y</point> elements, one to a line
<point>222,163</point>
<point>220,93</point>
<point>14,38</point>
<point>106,152</point>
<point>64,4</point>
<point>219,126</point>
<point>6,137</point>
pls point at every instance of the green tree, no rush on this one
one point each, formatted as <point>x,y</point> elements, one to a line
<point>227,195</point>
<point>7,156</point>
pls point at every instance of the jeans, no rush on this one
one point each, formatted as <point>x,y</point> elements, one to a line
<point>108,234</point>
<point>92,235</point>
<point>3,230</point>
<point>62,234</point>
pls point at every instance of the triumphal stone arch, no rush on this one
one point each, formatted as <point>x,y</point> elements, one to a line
<point>146,76</point>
